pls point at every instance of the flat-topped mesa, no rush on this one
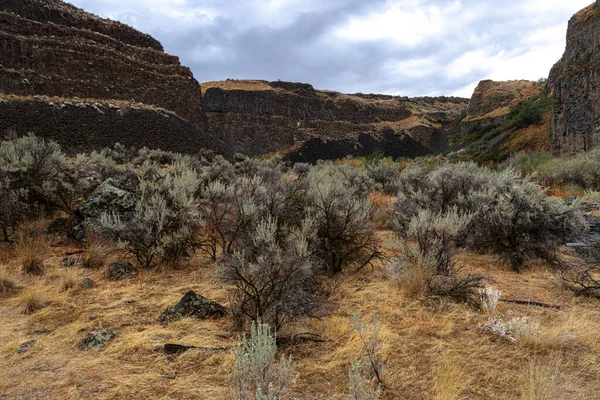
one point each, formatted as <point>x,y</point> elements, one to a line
<point>53,49</point>
<point>574,84</point>
<point>257,117</point>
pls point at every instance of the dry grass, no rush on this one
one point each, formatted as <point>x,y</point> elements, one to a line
<point>31,249</point>
<point>96,253</point>
<point>236,84</point>
<point>8,287</point>
<point>431,351</point>
<point>69,281</point>
<point>33,300</point>
<point>450,381</point>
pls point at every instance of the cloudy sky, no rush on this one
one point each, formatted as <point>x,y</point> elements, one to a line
<point>403,47</point>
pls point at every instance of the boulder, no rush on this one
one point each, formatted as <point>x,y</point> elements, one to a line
<point>107,198</point>
<point>193,305</point>
<point>118,271</point>
<point>86,283</point>
<point>96,340</point>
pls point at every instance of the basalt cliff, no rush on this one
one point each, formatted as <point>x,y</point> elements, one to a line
<point>574,85</point>
<point>89,82</point>
<point>304,124</point>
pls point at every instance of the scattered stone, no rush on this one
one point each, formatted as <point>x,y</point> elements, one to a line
<point>69,262</point>
<point>86,283</point>
<point>118,271</point>
<point>107,198</point>
<point>193,305</point>
<point>24,347</point>
<point>96,340</point>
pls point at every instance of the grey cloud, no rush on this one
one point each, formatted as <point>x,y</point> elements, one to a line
<point>241,43</point>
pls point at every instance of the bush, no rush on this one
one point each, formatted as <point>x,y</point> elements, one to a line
<point>273,281</point>
<point>510,215</point>
<point>34,178</point>
<point>8,287</point>
<point>516,220</point>
<point>166,218</point>
<point>38,169</point>
<point>434,235</point>
<point>529,111</point>
<point>345,232</point>
<point>32,300</point>
<point>372,364</point>
<point>254,373</point>
<point>384,174</point>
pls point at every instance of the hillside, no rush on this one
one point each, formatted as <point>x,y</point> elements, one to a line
<point>505,118</point>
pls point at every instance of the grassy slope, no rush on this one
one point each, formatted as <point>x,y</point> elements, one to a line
<point>434,351</point>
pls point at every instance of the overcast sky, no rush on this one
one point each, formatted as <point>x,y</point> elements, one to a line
<point>403,47</point>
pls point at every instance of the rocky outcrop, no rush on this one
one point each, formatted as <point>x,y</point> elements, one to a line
<point>258,117</point>
<point>574,83</point>
<point>50,48</point>
<point>193,305</point>
<point>492,100</point>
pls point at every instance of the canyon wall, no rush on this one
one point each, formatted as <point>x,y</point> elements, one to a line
<point>53,49</point>
<point>574,84</point>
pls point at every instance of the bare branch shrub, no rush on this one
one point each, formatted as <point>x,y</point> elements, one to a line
<point>274,281</point>
<point>345,230</point>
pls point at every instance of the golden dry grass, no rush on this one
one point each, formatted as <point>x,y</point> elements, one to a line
<point>236,84</point>
<point>433,352</point>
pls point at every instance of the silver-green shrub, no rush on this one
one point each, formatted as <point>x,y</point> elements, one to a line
<point>256,373</point>
<point>166,219</point>
<point>273,278</point>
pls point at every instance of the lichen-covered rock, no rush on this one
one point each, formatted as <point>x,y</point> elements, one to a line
<point>86,283</point>
<point>69,262</point>
<point>119,271</point>
<point>96,340</point>
<point>574,83</point>
<point>24,347</point>
<point>193,305</point>
<point>107,198</point>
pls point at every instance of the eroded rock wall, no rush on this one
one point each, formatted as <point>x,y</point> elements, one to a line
<point>50,48</point>
<point>574,84</point>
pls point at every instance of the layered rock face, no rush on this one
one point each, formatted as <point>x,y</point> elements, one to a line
<point>52,49</point>
<point>258,117</point>
<point>492,101</point>
<point>574,83</point>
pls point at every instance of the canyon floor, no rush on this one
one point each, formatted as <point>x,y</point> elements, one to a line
<point>434,349</point>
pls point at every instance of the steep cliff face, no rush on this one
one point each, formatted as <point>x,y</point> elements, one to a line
<point>50,48</point>
<point>574,84</point>
<point>258,117</point>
